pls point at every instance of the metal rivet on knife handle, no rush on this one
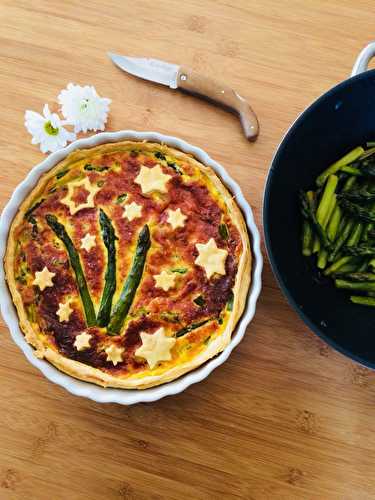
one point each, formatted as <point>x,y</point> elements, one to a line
<point>196,83</point>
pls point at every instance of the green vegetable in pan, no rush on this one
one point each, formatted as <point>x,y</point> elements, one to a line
<point>360,250</point>
<point>344,161</point>
<point>363,301</point>
<point>338,220</point>
<point>309,213</point>
<point>362,286</point>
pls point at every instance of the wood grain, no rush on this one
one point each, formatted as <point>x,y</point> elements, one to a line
<point>285,417</point>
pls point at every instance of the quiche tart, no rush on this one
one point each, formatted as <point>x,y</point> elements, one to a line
<point>129,264</point>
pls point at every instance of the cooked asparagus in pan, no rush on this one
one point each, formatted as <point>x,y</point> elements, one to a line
<point>338,220</point>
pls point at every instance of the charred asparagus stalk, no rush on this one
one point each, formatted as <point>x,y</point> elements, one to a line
<point>75,262</point>
<point>334,222</point>
<point>355,235</point>
<point>325,207</point>
<point>345,160</point>
<point>352,170</point>
<point>308,212</point>
<point>191,327</point>
<point>358,196</point>
<point>344,221</point>
<point>109,239</point>
<point>131,283</point>
<point>358,277</point>
<point>343,236</point>
<point>339,264</point>
<point>363,301</point>
<point>307,232</point>
<point>357,211</point>
<point>360,250</point>
<point>307,238</point>
<point>360,286</point>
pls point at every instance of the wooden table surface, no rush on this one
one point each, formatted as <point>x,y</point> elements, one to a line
<point>286,417</point>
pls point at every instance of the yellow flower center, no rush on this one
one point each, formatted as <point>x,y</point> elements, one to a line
<point>84,105</point>
<point>48,127</point>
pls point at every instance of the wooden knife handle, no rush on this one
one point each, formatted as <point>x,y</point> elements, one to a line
<point>195,83</point>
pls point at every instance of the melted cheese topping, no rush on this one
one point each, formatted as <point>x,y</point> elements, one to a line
<point>188,275</point>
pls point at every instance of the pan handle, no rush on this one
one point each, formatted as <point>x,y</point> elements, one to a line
<point>363,59</point>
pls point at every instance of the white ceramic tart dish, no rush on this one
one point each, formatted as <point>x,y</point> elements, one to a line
<point>129,264</point>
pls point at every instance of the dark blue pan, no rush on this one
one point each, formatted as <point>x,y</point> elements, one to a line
<point>338,121</point>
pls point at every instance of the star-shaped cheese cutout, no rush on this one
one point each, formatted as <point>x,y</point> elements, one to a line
<point>43,278</point>
<point>87,242</point>
<point>155,347</point>
<point>114,354</point>
<point>89,203</point>
<point>176,218</point>
<point>152,179</point>
<point>64,311</point>
<point>132,211</point>
<point>211,258</point>
<point>165,280</point>
<point>82,341</point>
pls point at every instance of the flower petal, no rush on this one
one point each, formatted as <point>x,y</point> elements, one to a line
<point>83,107</point>
<point>47,130</point>
<point>46,111</point>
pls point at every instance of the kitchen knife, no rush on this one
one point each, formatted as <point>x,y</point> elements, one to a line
<point>179,77</point>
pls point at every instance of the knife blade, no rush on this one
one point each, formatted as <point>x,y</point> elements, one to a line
<point>148,69</point>
<point>179,77</point>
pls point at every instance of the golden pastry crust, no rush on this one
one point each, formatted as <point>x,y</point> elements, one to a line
<point>121,161</point>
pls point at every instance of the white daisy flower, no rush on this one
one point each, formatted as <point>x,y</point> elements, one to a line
<point>84,108</point>
<point>47,130</point>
